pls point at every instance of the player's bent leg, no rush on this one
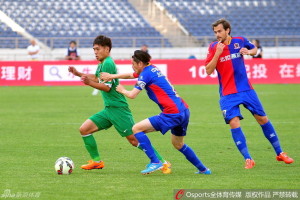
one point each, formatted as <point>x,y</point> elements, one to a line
<point>88,127</point>
<point>139,131</point>
<point>86,130</point>
<point>178,143</point>
<point>143,126</point>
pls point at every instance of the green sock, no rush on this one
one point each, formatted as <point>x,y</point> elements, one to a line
<point>156,153</point>
<point>91,147</point>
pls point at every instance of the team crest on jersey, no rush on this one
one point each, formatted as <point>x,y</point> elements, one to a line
<point>237,46</point>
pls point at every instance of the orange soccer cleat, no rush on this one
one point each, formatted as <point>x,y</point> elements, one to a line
<point>166,169</point>
<point>93,165</point>
<point>249,164</point>
<point>283,157</point>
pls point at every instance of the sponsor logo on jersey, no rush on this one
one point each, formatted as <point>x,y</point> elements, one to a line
<point>230,57</point>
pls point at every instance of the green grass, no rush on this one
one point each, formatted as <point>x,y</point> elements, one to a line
<point>40,124</point>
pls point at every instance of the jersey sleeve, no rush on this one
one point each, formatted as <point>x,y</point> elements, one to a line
<point>248,44</point>
<point>143,80</point>
<point>210,54</point>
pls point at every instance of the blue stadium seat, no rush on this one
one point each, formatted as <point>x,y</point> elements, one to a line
<point>77,18</point>
<point>255,18</point>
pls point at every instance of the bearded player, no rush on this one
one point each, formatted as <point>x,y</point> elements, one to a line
<point>226,56</point>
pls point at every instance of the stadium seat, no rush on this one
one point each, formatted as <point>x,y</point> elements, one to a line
<point>248,18</point>
<point>80,19</point>
<point>89,18</point>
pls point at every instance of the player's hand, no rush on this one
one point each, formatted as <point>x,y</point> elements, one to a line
<point>84,78</point>
<point>73,70</point>
<point>120,88</point>
<point>105,77</point>
<point>244,51</point>
<point>220,48</point>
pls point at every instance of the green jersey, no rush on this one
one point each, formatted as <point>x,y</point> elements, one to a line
<point>111,98</point>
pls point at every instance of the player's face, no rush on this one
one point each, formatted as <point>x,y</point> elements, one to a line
<point>220,33</point>
<point>101,52</point>
<point>137,67</point>
<point>254,42</point>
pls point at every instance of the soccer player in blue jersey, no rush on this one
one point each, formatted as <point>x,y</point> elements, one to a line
<point>226,56</point>
<point>175,112</point>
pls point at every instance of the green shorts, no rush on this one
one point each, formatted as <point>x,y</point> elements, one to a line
<point>120,117</point>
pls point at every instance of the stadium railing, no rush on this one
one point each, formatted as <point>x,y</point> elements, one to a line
<point>136,42</point>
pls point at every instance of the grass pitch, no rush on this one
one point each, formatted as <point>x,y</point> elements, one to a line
<point>40,124</point>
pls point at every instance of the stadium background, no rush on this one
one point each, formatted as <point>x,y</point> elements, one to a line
<point>38,124</point>
<point>171,29</point>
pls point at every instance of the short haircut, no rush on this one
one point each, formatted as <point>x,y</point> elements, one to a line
<point>73,42</point>
<point>224,22</point>
<point>257,41</point>
<point>141,56</point>
<point>103,41</point>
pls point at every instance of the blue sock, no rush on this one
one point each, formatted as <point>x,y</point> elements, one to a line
<point>147,147</point>
<point>271,135</point>
<point>240,142</point>
<point>192,157</point>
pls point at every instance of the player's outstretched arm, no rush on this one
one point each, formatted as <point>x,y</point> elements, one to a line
<point>74,71</point>
<point>130,94</point>
<point>108,77</point>
<point>100,86</point>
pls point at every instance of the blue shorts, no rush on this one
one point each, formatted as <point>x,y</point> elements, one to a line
<point>230,105</point>
<point>178,123</point>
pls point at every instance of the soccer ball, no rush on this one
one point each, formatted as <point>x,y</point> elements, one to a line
<point>64,166</point>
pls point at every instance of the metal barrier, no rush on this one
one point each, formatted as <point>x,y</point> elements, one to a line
<point>134,42</point>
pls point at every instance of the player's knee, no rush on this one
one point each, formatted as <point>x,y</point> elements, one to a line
<point>262,120</point>
<point>83,131</point>
<point>177,145</point>
<point>234,123</point>
<point>136,129</point>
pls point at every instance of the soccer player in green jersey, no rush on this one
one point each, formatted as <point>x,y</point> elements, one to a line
<point>116,112</point>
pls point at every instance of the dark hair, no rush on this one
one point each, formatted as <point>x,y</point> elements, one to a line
<point>257,41</point>
<point>73,42</point>
<point>103,41</point>
<point>224,22</point>
<point>141,56</point>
